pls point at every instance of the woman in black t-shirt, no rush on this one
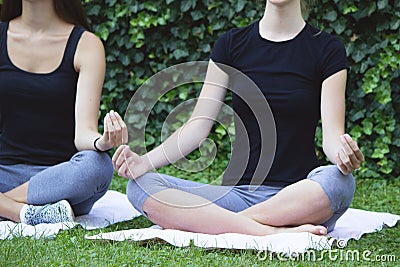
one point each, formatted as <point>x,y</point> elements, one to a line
<point>301,72</point>
<point>52,163</point>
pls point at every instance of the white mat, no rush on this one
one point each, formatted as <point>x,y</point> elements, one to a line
<point>284,243</point>
<point>114,207</point>
<point>352,225</point>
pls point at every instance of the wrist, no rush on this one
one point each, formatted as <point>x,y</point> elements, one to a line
<point>98,146</point>
<point>147,163</point>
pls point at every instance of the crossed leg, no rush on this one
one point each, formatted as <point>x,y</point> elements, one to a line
<point>19,194</point>
<point>301,207</point>
<point>304,202</point>
<point>185,205</point>
<point>9,208</point>
<point>81,181</point>
<point>176,209</point>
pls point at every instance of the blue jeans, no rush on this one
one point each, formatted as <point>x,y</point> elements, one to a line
<point>82,180</point>
<point>338,187</point>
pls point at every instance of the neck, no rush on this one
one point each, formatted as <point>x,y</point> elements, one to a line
<point>39,15</point>
<point>282,21</point>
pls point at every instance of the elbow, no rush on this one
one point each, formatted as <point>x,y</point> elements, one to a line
<point>79,144</point>
<point>330,150</point>
<point>84,137</point>
<point>200,129</point>
<point>325,147</point>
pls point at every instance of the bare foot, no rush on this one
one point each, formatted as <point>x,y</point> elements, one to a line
<point>313,229</point>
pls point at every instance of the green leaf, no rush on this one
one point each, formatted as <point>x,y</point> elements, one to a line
<point>382,4</point>
<point>220,130</point>
<point>383,94</point>
<point>367,126</point>
<point>103,32</point>
<point>339,26</point>
<point>330,16</point>
<point>183,94</point>
<point>349,8</point>
<point>196,15</point>
<point>179,53</point>
<point>187,4</point>
<point>358,55</point>
<point>240,5</point>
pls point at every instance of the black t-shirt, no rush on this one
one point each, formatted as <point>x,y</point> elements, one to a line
<point>289,74</point>
<point>37,110</point>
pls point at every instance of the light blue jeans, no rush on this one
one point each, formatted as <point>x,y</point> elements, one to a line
<point>82,180</point>
<point>338,187</point>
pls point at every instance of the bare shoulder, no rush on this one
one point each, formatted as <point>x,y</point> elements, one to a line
<point>90,41</point>
<point>90,49</point>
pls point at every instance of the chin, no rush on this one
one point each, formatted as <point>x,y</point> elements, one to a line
<point>281,2</point>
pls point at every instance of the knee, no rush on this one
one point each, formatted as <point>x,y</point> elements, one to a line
<point>142,188</point>
<point>97,168</point>
<point>349,190</point>
<point>344,186</point>
<point>137,195</point>
<point>339,188</point>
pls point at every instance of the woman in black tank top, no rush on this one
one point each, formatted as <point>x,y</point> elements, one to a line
<point>52,160</point>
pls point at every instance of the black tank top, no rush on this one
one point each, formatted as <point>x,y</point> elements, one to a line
<point>37,111</point>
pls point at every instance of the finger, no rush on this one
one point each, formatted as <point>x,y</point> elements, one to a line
<point>354,146</point>
<point>106,128</point>
<point>114,118</point>
<point>122,158</point>
<point>357,156</point>
<point>122,171</point>
<point>125,135</point>
<point>124,129</point>
<point>117,136</point>
<point>127,169</point>
<point>340,165</point>
<point>119,162</point>
<point>111,130</point>
<point>347,143</point>
<point>119,119</point>
<point>346,146</point>
<point>118,152</point>
<point>345,160</point>
<point>117,155</point>
<point>126,155</point>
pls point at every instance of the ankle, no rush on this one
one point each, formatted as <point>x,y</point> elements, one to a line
<point>21,217</point>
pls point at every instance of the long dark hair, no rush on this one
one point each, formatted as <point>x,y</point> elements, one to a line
<point>70,11</point>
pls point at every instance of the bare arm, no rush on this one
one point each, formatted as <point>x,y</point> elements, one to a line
<point>186,138</point>
<point>338,146</point>
<point>90,63</point>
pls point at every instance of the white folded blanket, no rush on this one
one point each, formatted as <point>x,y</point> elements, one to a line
<point>114,207</point>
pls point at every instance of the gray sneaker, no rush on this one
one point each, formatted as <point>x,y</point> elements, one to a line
<point>50,213</point>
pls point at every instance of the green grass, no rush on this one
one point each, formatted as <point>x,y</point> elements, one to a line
<point>69,248</point>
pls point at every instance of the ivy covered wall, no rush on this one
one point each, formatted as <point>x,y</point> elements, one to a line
<point>144,37</point>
